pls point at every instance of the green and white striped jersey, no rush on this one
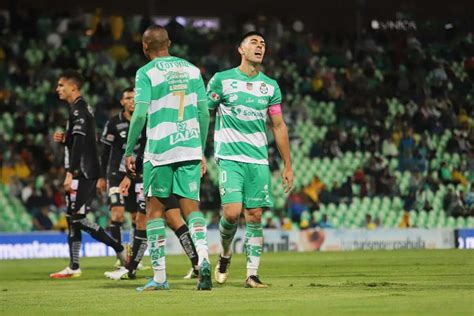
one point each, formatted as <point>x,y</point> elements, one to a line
<point>242,104</point>
<point>171,87</point>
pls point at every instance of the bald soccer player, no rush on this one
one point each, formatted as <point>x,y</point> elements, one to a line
<point>171,100</point>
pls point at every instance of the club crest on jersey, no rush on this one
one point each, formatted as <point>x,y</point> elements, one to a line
<point>249,86</point>
<point>263,88</point>
<point>215,96</point>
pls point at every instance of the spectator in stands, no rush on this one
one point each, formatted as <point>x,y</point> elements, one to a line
<point>409,200</point>
<point>405,221</point>
<point>369,224</point>
<point>454,204</point>
<point>324,222</point>
<point>470,199</point>
<point>41,220</point>
<point>296,206</point>
<point>445,174</point>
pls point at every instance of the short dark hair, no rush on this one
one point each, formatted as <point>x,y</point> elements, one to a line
<point>129,89</point>
<point>74,76</point>
<point>248,34</point>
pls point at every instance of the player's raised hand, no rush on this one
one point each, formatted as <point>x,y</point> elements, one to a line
<point>203,166</point>
<point>287,178</point>
<point>130,165</point>
<point>124,186</point>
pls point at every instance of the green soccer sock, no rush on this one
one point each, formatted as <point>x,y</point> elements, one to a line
<point>227,231</point>
<point>156,234</point>
<point>253,246</point>
<point>198,230</point>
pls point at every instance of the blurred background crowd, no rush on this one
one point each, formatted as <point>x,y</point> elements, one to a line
<point>381,124</point>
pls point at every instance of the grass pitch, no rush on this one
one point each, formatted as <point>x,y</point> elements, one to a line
<point>429,282</point>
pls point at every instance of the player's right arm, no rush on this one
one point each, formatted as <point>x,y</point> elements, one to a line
<point>142,102</point>
<point>203,112</point>
<point>214,92</point>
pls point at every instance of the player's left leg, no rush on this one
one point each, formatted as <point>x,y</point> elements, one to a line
<point>175,221</point>
<point>157,184</point>
<point>257,195</point>
<point>253,246</point>
<point>186,185</point>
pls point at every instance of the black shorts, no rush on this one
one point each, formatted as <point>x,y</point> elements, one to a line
<point>80,199</point>
<point>133,202</point>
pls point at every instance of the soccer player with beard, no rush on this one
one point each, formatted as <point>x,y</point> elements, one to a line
<point>82,171</point>
<point>171,100</point>
<point>126,192</point>
<point>245,97</point>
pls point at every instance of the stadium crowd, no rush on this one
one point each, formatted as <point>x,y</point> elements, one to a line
<point>395,94</point>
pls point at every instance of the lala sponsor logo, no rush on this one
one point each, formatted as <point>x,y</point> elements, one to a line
<point>183,134</point>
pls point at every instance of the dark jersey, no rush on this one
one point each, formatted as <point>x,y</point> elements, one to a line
<point>114,140</point>
<point>81,154</point>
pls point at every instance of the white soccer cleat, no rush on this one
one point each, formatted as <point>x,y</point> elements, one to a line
<point>192,274</point>
<point>221,272</point>
<point>66,273</point>
<point>119,274</point>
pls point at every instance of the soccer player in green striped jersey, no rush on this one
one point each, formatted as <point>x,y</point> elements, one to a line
<point>244,98</point>
<point>171,98</point>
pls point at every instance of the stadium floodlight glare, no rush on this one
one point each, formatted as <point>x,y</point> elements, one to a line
<point>448,26</point>
<point>181,20</point>
<point>375,24</point>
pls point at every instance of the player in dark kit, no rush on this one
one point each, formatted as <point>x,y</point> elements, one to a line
<point>113,140</point>
<point>82,171</point>
<point>126,192</point>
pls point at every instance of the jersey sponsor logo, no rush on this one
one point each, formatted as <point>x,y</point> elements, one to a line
<point>233,84</point>
<point>165,65</point>
<point>183,134</point>
<point>237,110</point>
<point>262,101</point>
<point>263,88</point>
<point>249,86</point>
<point>123,134</point>
<point>233,97</point>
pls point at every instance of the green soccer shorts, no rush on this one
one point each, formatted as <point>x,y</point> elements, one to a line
<point>180,178</point>
<point>246,183</point>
